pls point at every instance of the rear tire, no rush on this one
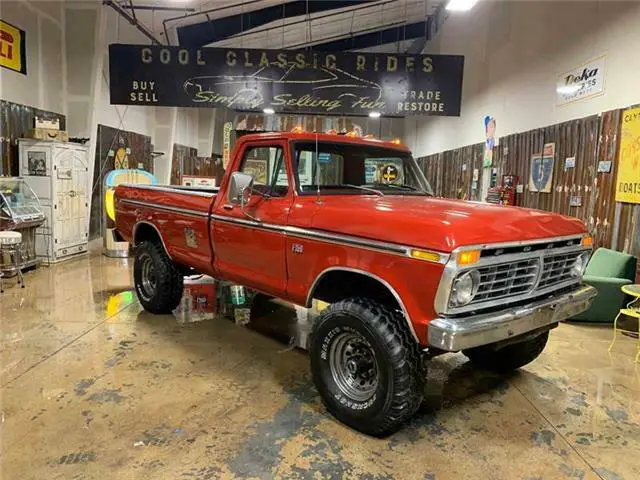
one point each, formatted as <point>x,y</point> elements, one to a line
<point>510,357</point>
<point>158,282</point>
<point>366,365</point>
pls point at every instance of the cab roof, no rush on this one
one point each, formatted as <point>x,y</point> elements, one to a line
<point>322,137</point>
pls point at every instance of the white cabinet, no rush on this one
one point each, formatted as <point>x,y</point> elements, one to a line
<point>58,173</point>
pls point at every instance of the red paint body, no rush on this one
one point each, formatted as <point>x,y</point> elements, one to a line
<point>264,259</point>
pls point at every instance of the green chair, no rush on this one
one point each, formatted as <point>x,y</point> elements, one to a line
<point>607,271</point>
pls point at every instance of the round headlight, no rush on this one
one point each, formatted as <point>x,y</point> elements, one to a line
<point>465,288</point>
<point>579,266</point>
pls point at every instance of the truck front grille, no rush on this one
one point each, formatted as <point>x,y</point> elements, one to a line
<point>507,279</point>
<point>557,269</point>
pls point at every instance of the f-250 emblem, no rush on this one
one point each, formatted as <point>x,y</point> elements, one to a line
<point>297,248</point>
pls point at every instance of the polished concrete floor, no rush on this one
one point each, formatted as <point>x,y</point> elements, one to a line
<point>95,388</point>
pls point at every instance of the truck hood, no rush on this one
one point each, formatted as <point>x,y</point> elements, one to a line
<point>437,223</point>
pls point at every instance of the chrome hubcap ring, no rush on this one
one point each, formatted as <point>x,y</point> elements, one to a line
<point>353,366</point>
<point>149,280</point>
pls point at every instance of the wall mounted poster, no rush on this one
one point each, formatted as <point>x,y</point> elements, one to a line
<point>490,140</point>
<point>541,176</point>
<point>294,81</point>
<point>628,180</point>
<point>13,53</point>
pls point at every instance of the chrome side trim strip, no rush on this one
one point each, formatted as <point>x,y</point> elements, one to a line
<point>168,189</point>
<point>167,208</point>
<point>330,237</point>
<point>144,222</point>
<point>370,275</point>
<point>348,240</point>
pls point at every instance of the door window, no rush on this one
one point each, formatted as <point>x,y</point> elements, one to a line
<point>268,168</point>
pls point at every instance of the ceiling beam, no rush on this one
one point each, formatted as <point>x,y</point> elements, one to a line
<point>204,33</point>
<point>359,41</point>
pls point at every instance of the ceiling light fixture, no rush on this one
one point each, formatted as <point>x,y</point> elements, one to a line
<point>374,114</point>
<point>461,5</point>
<point>269,111</point>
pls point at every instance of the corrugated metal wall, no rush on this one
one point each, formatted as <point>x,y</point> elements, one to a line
<point>589,140</point>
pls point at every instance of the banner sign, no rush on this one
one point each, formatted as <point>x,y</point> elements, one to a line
<point>12,48</point>
<point>286,80</point>
<point>585,81</point>
<point>628,180</point>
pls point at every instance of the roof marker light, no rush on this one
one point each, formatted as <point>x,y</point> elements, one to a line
<point>297,129</point>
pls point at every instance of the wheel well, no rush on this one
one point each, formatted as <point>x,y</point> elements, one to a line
<point>145,232</point>
<point>336,285</point>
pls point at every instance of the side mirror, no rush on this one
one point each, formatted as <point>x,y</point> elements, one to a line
<point>240,188</point>
<point>245,196</point>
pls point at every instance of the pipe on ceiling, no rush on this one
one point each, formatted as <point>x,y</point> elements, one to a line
<point>132,21</point>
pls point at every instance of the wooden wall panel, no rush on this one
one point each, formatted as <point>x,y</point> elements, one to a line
<point>15,121</point>
<point>590,140</point>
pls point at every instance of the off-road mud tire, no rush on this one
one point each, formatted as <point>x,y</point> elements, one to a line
<point>510,357</point>
<point>169,279</point>
<point>400,371</point>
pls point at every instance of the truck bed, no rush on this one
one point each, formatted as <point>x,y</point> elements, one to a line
<point>180,215</point>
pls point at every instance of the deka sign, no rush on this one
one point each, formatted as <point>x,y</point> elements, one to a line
<point>585,81</point>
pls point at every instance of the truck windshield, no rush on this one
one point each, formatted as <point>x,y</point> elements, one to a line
<point>348,169</point>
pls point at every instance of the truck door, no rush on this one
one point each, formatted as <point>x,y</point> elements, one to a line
<point>249,245</point>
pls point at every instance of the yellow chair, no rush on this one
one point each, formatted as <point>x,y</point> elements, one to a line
<point>630,311</point>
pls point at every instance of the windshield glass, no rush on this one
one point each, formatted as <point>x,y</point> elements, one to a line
<point>343,168</point>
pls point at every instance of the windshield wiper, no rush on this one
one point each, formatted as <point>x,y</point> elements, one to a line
<point>366,189</point>
<point>403,186</point>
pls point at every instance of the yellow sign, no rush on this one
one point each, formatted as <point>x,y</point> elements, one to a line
<point>12,48</point>
<point>628,181</point>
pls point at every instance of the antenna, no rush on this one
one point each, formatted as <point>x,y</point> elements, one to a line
<point>317,171</point>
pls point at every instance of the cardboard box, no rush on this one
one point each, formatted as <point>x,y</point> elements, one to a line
<point>48,134</point>
<point>48,123</point>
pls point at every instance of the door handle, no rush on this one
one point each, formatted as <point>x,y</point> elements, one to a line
<point>227,206</point>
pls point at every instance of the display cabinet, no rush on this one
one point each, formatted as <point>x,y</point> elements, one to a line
<point>58,173</point>
<point>20,210</point>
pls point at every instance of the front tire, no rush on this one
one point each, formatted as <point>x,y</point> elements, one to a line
<point>158,282</point>
<point>366,365</point>
<point>510,357</point>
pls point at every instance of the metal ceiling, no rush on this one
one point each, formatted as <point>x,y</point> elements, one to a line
<point>323,24</point>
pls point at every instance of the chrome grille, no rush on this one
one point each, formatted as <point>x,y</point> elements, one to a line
<point>507,279</point>
<point>557,269</point>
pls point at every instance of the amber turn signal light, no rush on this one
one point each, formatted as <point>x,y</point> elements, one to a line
<point>587,241</point>
<point>425,255</point>
<point>468,257</point>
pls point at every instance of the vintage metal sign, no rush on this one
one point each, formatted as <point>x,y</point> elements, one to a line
<point>286,80</point>
<point>585,81</point>
<point>628,179</point>
<point>12,48</point>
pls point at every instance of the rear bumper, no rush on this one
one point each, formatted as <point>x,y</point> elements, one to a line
<point>459,333</point>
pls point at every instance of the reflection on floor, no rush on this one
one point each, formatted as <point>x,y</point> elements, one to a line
<point>94,388</point>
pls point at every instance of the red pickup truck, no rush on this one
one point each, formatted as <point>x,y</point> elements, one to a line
<point>353,222</point>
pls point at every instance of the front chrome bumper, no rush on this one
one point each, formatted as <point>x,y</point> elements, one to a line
<point>459,333</point>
